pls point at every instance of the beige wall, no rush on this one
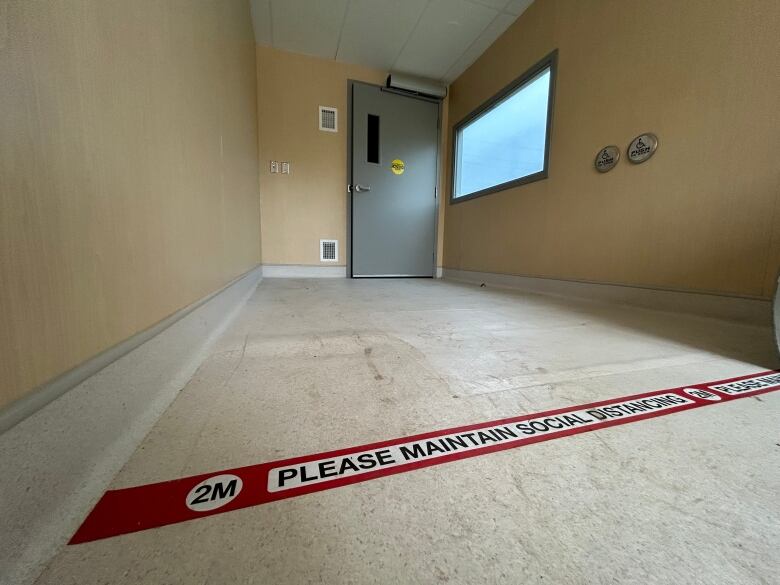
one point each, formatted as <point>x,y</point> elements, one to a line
<point>703,214</point>
<point>311,203</point>
<point>128,171</point>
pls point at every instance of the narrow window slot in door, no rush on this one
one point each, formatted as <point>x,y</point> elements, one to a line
<point>372,145</point>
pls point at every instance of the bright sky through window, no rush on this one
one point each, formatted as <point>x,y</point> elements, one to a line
<point>506,142</point>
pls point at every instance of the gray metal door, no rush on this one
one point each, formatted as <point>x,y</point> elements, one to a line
<point>394,157</point>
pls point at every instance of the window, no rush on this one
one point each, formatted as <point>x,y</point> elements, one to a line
<point>505,142</point>
<point>372,142</point>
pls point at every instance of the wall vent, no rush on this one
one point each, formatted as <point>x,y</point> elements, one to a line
<point>329,250</point>
<point>329,119</point>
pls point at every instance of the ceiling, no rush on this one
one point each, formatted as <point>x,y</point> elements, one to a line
<point>437,39</point>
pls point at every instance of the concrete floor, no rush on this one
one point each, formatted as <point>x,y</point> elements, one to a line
<point>314,365</point>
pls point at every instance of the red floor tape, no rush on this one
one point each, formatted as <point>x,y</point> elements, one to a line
<point>158,504</point>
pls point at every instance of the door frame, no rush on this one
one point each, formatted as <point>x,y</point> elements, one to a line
<point>439,163</point>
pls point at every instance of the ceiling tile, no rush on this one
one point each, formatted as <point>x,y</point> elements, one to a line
<point>308,26</point>
<point>261,20</point>
<point>517,7</point>
<point>375,31</point>
<point>438,39</point>
<point>497,4</point>
<point>494,30</point>
<point>445,29</point>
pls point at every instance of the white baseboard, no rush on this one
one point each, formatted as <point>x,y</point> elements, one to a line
<point>61,454</point>
<point>302,271</point>
<point>746,310</point>
<point>439,272</point>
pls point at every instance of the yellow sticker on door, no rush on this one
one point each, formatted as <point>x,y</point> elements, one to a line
<point>398,166</point>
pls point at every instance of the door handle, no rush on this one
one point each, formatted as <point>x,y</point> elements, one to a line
<point>362,188</point>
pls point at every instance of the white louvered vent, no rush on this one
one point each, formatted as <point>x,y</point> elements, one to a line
<point>329,250</point>
<point>329,119</point>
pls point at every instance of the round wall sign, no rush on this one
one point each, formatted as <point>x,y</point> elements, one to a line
<point>607,158</point>
<point>642,147</point>
<point>398,166</point>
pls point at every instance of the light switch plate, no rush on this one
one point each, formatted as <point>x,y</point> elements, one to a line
<point>285,168</point>
<point>274,166</point>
